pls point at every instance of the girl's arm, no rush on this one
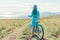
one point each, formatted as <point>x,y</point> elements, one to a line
<point>30,15</point>
<point>38,15</point>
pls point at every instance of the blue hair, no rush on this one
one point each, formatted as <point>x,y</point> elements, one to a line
<point>34,10</point>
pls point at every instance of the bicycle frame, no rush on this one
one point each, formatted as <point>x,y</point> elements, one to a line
<point>36,27</point>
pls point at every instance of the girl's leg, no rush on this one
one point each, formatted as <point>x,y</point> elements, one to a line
<point>32,31</point>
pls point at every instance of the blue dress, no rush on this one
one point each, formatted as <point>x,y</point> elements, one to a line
<point>34,18</point>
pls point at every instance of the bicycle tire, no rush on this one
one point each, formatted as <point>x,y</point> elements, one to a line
<point>42,29</point>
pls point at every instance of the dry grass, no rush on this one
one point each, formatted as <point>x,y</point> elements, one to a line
<point>51,25</point>
<point>8,25</point>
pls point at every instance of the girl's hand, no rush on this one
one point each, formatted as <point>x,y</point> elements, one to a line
<point>28,15</point>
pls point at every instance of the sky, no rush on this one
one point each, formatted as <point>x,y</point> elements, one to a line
<point>13,8</point>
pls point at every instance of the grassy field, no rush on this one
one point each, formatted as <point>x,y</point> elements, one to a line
<point>51,26</point>
<point>8,25</point>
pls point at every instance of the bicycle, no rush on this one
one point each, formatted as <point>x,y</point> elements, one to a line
<point>39,32</point>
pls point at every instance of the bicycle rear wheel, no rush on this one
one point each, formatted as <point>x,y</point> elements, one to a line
<point>40,33</point>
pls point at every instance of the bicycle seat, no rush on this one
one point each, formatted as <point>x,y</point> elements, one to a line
<point>37,22</point>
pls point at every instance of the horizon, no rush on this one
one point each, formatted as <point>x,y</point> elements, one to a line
<point>42,15</point>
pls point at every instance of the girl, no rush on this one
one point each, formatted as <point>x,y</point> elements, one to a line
<point>35,18</point>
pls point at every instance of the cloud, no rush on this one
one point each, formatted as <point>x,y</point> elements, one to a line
<point>14,8</point>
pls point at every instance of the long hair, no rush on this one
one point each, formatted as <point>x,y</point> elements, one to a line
<point>34,10</point>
